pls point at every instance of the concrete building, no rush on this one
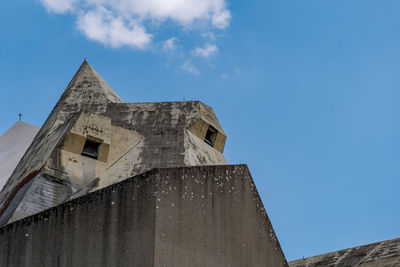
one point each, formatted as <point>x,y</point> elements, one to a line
<point>108,183</point>
<point>13,145</point>
<point>381,254</point>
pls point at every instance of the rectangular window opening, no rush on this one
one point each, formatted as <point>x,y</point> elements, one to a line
<point>211,136</point>
<point>91,149</point>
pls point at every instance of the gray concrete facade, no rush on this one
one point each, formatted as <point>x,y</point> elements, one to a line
<point>133,138</point>
<point>152,189</point>
<point>188,216</point>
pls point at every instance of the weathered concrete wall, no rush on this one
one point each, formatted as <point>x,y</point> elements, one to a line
<point>191,216</point>
<point>68,163</point>
<point>111,227</point>
<point>212,216</point>
<point>380,254</point>
<point>198,152</point>
<point>167,141</point>
<point>137,138</point>
<point>44,192</point>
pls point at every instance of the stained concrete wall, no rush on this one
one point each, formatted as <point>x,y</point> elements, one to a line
<point>380,254</point>
<point>191,216</point>
<point>44,192</point>
<point>111,227</point>
<point>212,216</point>
<point>167,142</point>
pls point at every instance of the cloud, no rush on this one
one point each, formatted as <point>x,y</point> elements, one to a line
<point>207,51</point>
<point>170,44</point>
<point>209,35</point>
<point>224,76</point>
<point>102,26</point>
<point>190,68</point>
<point>59,6</point>
<point>119,23</point>
<point>221,20</point>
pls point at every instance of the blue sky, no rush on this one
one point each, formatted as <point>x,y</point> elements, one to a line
<point>307,91</point>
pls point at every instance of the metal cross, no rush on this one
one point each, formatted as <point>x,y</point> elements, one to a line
<point>20,116</point>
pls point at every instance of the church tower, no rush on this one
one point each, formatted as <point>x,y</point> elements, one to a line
<point>109,183</point>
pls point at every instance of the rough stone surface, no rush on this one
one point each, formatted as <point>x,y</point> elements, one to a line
<point>381,254</point>
<point>189,216</point>
<point>13,145</point>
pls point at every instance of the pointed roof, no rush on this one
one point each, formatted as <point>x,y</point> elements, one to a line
<point>86,74</point>
<point>13,145</point>
<point>87,91</point>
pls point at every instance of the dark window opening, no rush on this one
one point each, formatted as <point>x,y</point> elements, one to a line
<point>91,149</point>
<point>211,135</point>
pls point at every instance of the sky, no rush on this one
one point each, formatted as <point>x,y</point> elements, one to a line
<point>307,92</point>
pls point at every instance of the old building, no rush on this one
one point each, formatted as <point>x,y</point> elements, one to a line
<point>108,183</point>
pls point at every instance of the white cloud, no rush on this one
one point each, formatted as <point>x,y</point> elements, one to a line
<point>209,35</point>
<point>221,20</point>
<point>170,44</point>
<point>59,6</point>
<point>207,51</point>
<point>102,26</point>
<point>125,22</point>
<point>189,67</point>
